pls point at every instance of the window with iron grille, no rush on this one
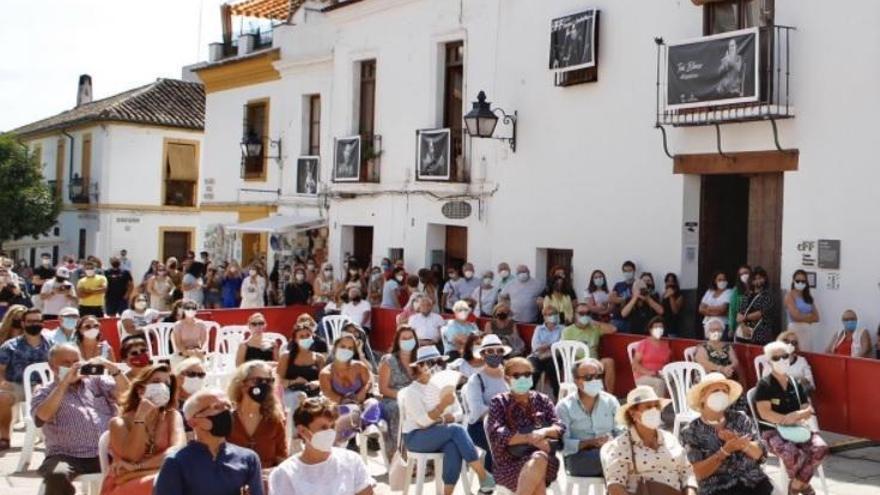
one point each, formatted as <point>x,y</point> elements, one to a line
<point>314,138</point>
<point>453,105</point>
<point>256,126</point>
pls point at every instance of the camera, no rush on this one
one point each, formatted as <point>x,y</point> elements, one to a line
<point>92,369</point>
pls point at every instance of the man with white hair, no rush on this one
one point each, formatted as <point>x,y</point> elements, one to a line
<point>523,294</point>
<point>209,464</point>
<point>588,416</point>
<point>73,411</point>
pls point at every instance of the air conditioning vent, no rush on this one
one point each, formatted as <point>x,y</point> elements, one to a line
<point>457,210</point>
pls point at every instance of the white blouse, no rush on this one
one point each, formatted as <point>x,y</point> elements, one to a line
<point>418,400</point>
<point>668,464</point>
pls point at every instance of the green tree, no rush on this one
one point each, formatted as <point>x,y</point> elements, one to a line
<point>29,207</point>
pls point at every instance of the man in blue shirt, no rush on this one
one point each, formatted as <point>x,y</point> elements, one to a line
<point>208,464</point>
<point>621,295</point>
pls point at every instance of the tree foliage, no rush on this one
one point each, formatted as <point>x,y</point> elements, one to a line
<point>27,205</point>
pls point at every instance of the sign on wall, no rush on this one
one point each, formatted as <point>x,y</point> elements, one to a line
<point>714,70</point>
<point>573,41</point>
<point>434,147</point>
<point>307,175</point>
<point>829,254</point>
<point>347,159</point>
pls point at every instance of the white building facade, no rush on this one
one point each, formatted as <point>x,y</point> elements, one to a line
<point>589,184</point>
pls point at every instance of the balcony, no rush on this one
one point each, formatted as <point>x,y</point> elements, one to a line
<point>741,76</point>
<point>82,192</point>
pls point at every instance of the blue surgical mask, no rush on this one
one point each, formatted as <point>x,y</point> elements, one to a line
<point>629,276</point>
<point>521,385</point>
<point>305,343</point>
<point>850,325</point>
<point>344,355</point>
<point>68,323</point>
<point>522,276</point>
<point>407,345</point>
<point>585,320</point>
<point>593,387</point>
<point>552,319</point>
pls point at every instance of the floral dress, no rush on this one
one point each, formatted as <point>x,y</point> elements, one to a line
<point>507,418</point>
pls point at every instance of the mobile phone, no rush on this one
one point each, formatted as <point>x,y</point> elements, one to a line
<point>92,369</point>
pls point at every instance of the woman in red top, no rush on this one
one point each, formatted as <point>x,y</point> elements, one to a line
<point>652,354</point>
<point>257,422</point>
<point>851,341</point>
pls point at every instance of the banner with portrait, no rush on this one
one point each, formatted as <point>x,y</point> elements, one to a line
<point>433,162</point>
<point>347,159</point>
<point>573,41</point>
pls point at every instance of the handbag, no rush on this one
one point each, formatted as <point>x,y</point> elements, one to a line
<point>793,433</point>
<point>649,487</point>
<point>523,450</point>
<point>397,471</point>
<point>585,463</point>
<point>743,330</point>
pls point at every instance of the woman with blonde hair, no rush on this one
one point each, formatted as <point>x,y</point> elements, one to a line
<point>146,430</point>
<point>326,287</point>
<point>159,287</point>
<point>10,326</point>
<point>257,419</point>
<point>256,347</point>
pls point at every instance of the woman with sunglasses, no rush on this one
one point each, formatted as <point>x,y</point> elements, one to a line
<point>524,433</point>
<point>799,369</point>
<point>346,381</point>
<point>256,347</point>
<point>257,418</point>
<point>803,314</point>
<point>430,422</point>
<point>191,376</point>
<point>133,352</point>
<point>10,326</point>
<point>481,387</point>
<point>784,412</point>
<point>300,366</point>
<point>147,429</point>
<point>89,340</point>
<point>504,327</point>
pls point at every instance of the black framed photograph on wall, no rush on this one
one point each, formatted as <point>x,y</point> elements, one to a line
<point>307,174</point>
<point>433,154</point>
<point>347,159</point>
<point>573,41</point>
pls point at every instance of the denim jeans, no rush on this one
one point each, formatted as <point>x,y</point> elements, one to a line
<point>478,435</point>
<point>452,440</point>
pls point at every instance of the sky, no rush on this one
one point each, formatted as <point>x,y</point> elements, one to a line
<point>122,44</point>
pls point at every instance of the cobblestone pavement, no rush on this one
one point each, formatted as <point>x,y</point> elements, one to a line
<point>852,472</point>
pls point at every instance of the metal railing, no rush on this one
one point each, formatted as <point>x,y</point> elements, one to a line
<point>773,86</point>
<point>82,192</point>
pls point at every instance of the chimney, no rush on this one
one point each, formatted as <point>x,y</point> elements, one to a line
<point>84,90</point>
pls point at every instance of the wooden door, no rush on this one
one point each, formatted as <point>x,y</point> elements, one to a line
<point>456,246</point>
<point>765,224</point>
<point>559,258</point>
<point>251,247</point>
<point>176,243</point>
<point>363,246</point>
<point>724,219</point>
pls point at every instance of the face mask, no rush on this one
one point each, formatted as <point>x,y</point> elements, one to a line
<point>629,276</point>
<point>376,276</point>
<point>522,276</point>
<point>585,320</point>
<point>744,278</point>
<point>353,272</point>
<point>299,277</point>
<point>68,323</point>
<point>721,284</point>
<point>468,274</point>
<point>252,273</point>
<point>139,361</point>
<point>599,282</point>
<point>504,273</point>
<point>259,392</point>
<point>92,333</point>
<point>651,419</point>
<point>189,313</point>
<point>157,393</point>
<point>714,336</point>
<point>407,345</point>
<point>140,305</point>
<point>356,299</point>
<point>593,387</point>
<point>344,355</point>
<point>487,281</point>
<point>46,261</point>
<point>192,384</point>
<point>494,360</point>
<point>90,273</point>
<point>800,285</point>
<point>717,401</point>
<point>781,366</point>
<point>656,332</point>
<point>33,330</point>
<point>305,343</point>
<point>221,424</point>
<point>551,319</point>
<point>62,372</point>
<point>323,440</point>
<point>399,278</point>
<point>521,385</point>
<point>462,315</point>
<point>850,325</point>
<point>310,266</point>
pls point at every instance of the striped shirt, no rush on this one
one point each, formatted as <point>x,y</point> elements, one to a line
<point>82,416</point>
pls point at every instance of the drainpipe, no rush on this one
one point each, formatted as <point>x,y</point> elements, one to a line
<point>70,163</point>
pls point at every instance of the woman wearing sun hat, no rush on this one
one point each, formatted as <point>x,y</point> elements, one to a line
<point>430,421</point>
<point>659,458</point>
<point>482,386</point>
<point>722,444</point>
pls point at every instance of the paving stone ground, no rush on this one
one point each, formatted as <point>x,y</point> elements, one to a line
<point>851,472</point>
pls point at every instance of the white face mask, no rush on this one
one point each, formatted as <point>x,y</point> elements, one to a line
<point>462,315</point>
<point>157,393</point>
<point>721,284</point>
<point>744,278</point>
<point>253,273</point>
<point>468,274</point>
<point>504,273</point>
<point>651,419</point>
<point>656,332</point>
<point>189,313</point>
<point>90,273</point>
<point>92,334</point>
<point>800,285</point>
<point>344,355</point>
<point>323,440</point>
<point>782,366</point>
<point>523,276</point>
<point>140,305</point>
<point>717,401</point>
<point>192,384</point>
<point>62,372</point>
<point>593,387</point>
<point>714,336</point>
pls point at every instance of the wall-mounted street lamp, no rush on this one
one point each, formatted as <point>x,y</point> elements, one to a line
<point>252,147</point>
<point>482,119</point>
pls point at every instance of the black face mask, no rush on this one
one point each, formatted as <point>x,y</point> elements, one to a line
<point>259,392</point>
<point>494,360</point>
<point>115,264</point>
<point>356,299</point>
<point>60,279</point>
<point>33,329</point>
<point>221,424</point>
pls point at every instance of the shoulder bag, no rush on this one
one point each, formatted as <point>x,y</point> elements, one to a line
<point>648,487</point>
<point>793,433</point>
<point>743,330</point>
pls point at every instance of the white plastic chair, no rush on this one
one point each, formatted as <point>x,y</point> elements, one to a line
<point>762,366</point>
<point>104,452</point>
<point>43,376</point>
<point>783,475</point>
<point>690,354</point>
<point>159,343</point>
<point>279,339</point>
<point>594,485</point>
<point>419,460</point>
<point>332,327</point>
<point>230,337</point>
<point>568,351</point>
<point>680,377</point>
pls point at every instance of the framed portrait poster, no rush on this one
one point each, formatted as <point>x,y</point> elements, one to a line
<point>433,154</point>
<point>573,41</point>
<point>347,159</point>
<point>307,174</point>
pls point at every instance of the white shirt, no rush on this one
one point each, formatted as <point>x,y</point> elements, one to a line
<point>58,301</point>
<point>418,401</point>
<point>427,327</point>
<point>356,312</point>
<point>343,473</point>
<point>710,300</point>
<point>252,292</point>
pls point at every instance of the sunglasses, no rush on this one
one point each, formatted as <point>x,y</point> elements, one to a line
<point>257,323</point>
<point>502,316</point>
<point>91,327</point>
<point>136,352</point>
<point>780,357</point>
<point>527,374</point>
<point>791,342</point>
<point>597,376</point>
<point>428,364</point>
<point>492,352</point>
<point>194,374</point>
<point>262,381</point>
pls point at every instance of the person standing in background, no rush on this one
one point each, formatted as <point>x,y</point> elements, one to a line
<point>91,289</point>
<point>45,271</point>
<point>57,293</point>
<point>125,263</point>
<point>119,288</point>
